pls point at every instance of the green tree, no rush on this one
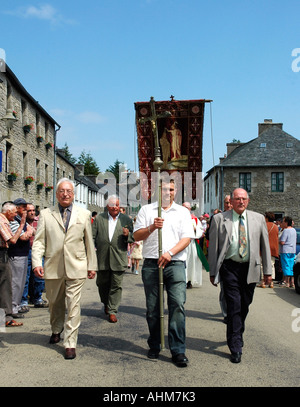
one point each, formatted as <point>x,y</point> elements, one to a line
<point>69,156</point>
<point>116,168</point>
<point>90,165</point>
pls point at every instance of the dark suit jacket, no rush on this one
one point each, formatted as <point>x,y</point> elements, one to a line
<point>112,255</point>
<point>220,231</point>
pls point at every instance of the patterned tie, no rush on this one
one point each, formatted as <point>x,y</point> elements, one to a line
<point>65,218</point>
<point>242,238</point>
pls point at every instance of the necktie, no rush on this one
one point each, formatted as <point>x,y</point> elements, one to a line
<point>65,218</point>
<point>242,238</point>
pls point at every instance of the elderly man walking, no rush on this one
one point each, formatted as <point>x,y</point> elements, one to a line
<point>238,240</point>
<point>112,231</point>
<point>64,237</point>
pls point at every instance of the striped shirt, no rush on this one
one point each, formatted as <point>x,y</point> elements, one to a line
<point>5,231</point>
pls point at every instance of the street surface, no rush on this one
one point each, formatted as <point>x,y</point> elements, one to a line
<point>115,355</point>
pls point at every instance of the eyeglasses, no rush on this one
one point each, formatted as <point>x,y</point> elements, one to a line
<point>65,191</point>
<point>241,199</point>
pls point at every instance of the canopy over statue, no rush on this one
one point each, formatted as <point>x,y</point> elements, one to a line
<point>180,137</point>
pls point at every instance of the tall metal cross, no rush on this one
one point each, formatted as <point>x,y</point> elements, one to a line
<point>158,163</point>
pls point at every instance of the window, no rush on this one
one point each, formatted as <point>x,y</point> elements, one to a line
<point>245,181</point>
<point>24,112</point>
<point>38,124</point>
<point>25,164</point>
<point>277,181</point>
<point>8,157</point>
<point>46,174</point>
<point>37,170</point>
<point>263,145</point>
<point>216,184</point>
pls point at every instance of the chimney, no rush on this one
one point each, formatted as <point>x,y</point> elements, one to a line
<point>266,124</point>
<point>80,168</point>
<point>232,146</point>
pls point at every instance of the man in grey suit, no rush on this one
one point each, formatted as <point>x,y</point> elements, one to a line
<point>238,242</point>
<point>112,231</point>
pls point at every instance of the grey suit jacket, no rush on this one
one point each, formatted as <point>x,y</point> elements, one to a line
<point>112,255</point>
<point>220,231</point>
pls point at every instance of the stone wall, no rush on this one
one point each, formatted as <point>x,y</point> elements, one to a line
<point>23,153</point>
<point>262,199</point>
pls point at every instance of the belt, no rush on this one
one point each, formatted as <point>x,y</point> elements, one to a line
<point>156,260</point>
<point>235,262</point>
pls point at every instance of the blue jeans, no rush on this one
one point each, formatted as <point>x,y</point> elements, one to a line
<point>175,284</point>
<point>37,283</point>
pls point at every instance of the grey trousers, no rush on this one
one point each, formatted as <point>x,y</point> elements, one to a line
<point>5,285</point>
<point>109,284</point>
<point>18,265</point>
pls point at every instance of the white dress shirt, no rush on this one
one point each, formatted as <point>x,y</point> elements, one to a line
<point>112,225</point>
<point>233,250</point>
<point>177,225</point>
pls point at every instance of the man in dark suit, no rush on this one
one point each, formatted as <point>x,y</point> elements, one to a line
<point>112,231</point>
<point>238,242</point>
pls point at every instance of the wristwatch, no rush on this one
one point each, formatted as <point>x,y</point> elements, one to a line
<point>170,253</point>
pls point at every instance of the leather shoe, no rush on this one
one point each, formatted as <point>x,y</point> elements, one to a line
<point>112,318</point>
<point>106,309</point>
<point>235,357</point>
<point>180,360</point>
<point>70,353</point>
<point>54,338</point>
<point>153,353</point>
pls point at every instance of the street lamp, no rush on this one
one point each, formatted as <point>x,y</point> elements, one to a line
<point>9,120</point>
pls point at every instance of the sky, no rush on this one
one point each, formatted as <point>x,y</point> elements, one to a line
<point>87,63</point>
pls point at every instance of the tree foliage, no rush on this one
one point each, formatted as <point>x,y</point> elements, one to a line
<point>86,159</point>
<point>90,165</point>
<point>69,156</point>
<point>116,168</point>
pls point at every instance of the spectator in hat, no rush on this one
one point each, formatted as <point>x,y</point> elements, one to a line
<point>18,258</point>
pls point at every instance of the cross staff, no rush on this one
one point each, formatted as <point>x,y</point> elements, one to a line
<point>158,163</point>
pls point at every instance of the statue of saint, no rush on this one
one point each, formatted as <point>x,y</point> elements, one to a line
<point>176,139</point>
<point>165,147</point>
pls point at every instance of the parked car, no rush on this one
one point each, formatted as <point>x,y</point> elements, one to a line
<point>298,240</point>
<point>297,263</point>
<point>297,275</point>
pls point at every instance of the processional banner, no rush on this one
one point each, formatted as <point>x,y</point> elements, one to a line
<point>180,138</point>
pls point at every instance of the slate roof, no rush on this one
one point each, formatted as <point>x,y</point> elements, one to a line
<point>281,150</point>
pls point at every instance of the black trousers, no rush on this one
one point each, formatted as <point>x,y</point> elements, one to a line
<point>238,296</point>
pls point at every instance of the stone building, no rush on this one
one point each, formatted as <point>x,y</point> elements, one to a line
<point>268,167</point>
<point>87,194</point>
<point>30,163</point>
<point>27,150</point>
<point>64,167</point>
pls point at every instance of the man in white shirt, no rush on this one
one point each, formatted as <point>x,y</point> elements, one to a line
<point>177,230</point>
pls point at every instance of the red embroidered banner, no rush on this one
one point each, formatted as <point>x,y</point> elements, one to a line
<point>180,138</point>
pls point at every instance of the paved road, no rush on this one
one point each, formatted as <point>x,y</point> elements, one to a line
<point>110,355</point>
